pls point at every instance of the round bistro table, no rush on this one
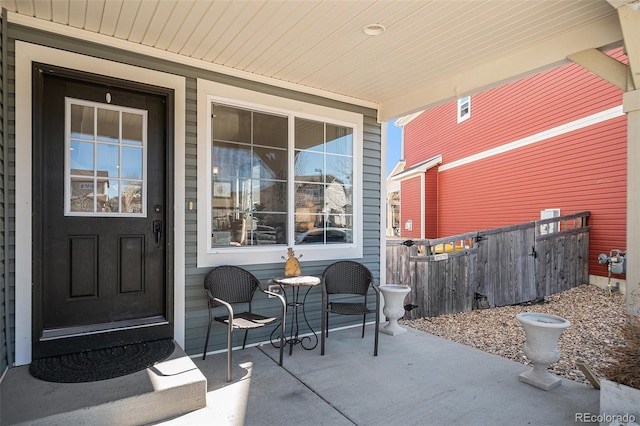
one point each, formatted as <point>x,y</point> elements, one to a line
<point>309,281</point>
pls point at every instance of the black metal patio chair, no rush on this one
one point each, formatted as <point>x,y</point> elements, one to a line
<point>348,278</point>
<point>231,285</point>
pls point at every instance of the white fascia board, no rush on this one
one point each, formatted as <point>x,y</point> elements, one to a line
<point>106,40</point>
<point>545,55</point>
<point>418,169</point>
<point>398,167</point>
<point>403,121</point>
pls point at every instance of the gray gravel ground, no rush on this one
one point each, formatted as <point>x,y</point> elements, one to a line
<point>595,319</point>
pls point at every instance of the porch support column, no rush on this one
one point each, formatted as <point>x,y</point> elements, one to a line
<point>629,15</point>
<point>631,106</point>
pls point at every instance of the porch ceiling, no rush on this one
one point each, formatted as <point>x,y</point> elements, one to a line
<point>432,51</point>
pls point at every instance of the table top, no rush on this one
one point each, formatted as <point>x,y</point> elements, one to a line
<point>303,280</point>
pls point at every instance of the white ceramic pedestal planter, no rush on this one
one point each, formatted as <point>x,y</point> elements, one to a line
<point>541,347</point>
<point>393,307</point>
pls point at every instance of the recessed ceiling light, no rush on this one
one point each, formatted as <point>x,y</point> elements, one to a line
<point>374,29</point>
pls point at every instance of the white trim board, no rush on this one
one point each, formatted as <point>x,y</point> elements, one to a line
<point>27,53</point>
<point>538,137</point>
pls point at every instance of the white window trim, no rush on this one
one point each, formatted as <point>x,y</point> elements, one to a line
<point>208,256</point>
<point>465,117</point>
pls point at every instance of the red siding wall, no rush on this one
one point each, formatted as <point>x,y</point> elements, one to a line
<point>581,170</point>
<point>431,203</point>
<point>410,207</point>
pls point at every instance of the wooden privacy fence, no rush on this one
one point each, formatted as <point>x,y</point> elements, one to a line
<point>502,266</point>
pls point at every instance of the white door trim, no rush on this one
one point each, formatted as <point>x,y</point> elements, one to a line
<point>27,53</point>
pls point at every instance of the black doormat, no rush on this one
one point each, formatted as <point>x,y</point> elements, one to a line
<point>101,364</point>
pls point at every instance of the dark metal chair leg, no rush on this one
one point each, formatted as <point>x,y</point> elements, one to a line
<point>244,342</point>
<point>323,330</point>
<point>206,341</point>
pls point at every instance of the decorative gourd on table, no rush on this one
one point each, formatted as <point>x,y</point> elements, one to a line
<point>292,265</point>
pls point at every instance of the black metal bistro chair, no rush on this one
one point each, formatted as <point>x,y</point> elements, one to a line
<point>231,285</point>
<point>348,278</point>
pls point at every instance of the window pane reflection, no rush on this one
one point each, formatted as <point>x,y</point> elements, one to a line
<point>250,175</point>
<point>82,195</point>
<point>105,172</point>
<point>132,129</point>
<point>81,122</point>
<point>131,197</point>
<point>108,125</point>
<point>339,140</point>
<point>309,135</point>
<point>340,168</point>
<point>270,130</point>
<point>81,156</point>
<point>231,124</point>
<point>231,160</point>
<point>131,163</point>
<point>107,160</point>
<point>309,166</point>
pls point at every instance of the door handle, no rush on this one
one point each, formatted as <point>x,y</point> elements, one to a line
<point>157,230</point>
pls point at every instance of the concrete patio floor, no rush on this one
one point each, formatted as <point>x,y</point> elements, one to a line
<point>417,379</point>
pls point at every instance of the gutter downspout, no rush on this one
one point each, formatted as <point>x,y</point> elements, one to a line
<point>5,148</point>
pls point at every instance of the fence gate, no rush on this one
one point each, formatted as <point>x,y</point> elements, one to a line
<point>507,266</point>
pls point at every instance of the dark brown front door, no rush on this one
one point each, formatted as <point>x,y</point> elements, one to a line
<point>101,270</point>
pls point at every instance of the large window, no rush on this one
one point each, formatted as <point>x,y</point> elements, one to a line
<point>275,177</point>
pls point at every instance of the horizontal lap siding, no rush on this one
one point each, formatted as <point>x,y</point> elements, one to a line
<point>8,200</point>
<point>4,298</point>
<point>509,113</point>
<point>195,301</point>
<point>410,191</point>
<point>584,169</point>
<point>196,304</point>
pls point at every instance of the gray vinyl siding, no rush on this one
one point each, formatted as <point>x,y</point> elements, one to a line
<point>195,301</point>
<point>4,299</point>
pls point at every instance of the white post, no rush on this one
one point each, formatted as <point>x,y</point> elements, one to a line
<point>631,106</point>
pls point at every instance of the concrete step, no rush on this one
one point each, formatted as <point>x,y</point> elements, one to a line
<point>168,389</point>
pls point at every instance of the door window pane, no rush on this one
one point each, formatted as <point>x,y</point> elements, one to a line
<point>132,129</point>
<point>82,119</point>
<point>82,195</point>
<point>131,163</point>
<point>81,156</point>
<point>131,197</point>
<point>108,161</point>
<point>105,169</point>
<point>108,125</point>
